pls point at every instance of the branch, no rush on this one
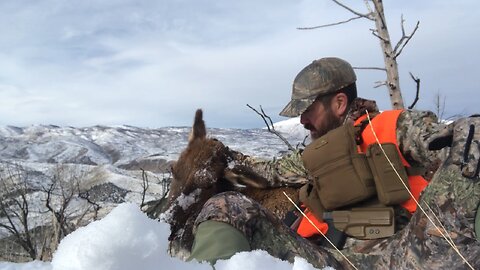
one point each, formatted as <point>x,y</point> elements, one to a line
<point>303,143</point>
<point>330,24</point>
<point>272,128</point>
<point>404,39</point>
<point>374,68</point>
<point>96,206</point>
<point>367,16</point>
<point>417,80</point>
<point>374,32</point>
<point>145,185</point>
<point>368,6</point>
<point>166,184</point>
<point>380,83</point>
<point>10,229</point>
<point>49,195</point>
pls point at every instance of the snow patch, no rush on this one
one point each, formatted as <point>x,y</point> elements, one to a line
<point>292,128</point>
<point>185,201</point>
<point>127,239</point>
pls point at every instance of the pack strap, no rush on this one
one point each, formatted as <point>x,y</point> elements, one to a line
<point>361,126</point>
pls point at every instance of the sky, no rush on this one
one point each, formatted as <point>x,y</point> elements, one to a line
<point>127,239</point>
<point>153,63</point>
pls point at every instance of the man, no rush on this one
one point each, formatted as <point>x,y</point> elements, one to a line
<point>324,95</point>
<point>326,88</point>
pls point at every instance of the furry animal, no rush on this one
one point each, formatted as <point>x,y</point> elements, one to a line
<point>201,171</point>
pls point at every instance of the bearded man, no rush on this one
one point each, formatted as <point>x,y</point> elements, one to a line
<point>345,175</point>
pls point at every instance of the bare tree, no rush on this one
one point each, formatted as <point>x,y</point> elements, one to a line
<point>164,182</point>
<point>390,53</point>
<point>15,208</point>
<point>63,188</point>
<point>60,193</point>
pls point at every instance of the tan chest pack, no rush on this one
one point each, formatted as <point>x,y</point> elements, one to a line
<point>343,176</point>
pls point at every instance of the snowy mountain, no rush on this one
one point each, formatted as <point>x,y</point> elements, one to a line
<point>114,156</point>
<point>122,145</point>
<point>107,162</point>
<point>293,128</point>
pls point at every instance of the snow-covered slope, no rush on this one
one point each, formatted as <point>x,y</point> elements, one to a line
<point>107,161</point>
<point>126,239</point>
<point>100,145</point>
<point>292,128</point>
<point>115,155</point>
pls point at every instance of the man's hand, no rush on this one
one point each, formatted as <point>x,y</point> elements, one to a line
<point>463,136</point>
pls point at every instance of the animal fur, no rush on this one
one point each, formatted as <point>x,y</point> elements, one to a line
<point>202,171</point>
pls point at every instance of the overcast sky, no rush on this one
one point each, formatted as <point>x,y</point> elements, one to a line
<point>152,63</point>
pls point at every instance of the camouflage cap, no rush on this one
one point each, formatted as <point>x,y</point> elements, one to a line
<point>321,77</point>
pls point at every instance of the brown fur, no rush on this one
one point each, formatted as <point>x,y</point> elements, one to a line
<point>203,165</point>
<point>274,199</point>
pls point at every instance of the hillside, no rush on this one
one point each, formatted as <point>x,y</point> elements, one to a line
<point>106,162</point>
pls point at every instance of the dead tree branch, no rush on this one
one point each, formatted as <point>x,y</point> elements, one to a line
<point>375,33</point>
<point>404,39</point>
<point>145,186</point>
<point>270,126</point>
<point>367,16</point>
<point>372,68</point>
<point>380,83</point>
<point>417,81</point>
<point>330,24</point>
<point>166,184</point>
<point>96,207</point>
<point>303,143</point>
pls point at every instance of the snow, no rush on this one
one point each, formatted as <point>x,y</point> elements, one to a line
<point>35,265</point>
<point>185,201</point>
<point>127,239</point>
<point>292,128</point>
<point>104,145</point>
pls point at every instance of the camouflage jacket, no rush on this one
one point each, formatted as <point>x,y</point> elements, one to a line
<point>453,195</point>
<point>415,130</point>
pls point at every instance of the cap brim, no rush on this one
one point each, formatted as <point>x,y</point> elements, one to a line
<point>296,107</point>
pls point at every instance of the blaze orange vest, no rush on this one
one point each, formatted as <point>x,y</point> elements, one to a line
<point>385,126</point>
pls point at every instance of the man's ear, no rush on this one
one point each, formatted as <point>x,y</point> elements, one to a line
<point>339,104</point>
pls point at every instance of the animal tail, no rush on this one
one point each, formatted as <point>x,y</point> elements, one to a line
<point>199,130</point>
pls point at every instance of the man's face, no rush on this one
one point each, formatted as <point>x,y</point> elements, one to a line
<point>319,119</point>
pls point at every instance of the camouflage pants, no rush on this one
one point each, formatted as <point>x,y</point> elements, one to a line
<point>263,230</point>
<point>452,197</point>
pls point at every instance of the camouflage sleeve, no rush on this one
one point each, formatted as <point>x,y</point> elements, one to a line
<point>415,130</point>
<point>285,171</point>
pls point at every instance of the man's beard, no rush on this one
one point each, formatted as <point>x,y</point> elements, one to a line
<point>331,122</point>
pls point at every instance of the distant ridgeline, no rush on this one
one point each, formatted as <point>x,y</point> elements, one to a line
<point>85,172</point>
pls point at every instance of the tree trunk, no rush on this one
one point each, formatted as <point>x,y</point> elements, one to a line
<point>393,82</point>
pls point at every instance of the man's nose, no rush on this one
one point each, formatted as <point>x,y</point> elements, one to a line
<point>303,119</point>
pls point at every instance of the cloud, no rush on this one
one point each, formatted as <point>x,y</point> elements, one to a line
<point>153,63</point>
